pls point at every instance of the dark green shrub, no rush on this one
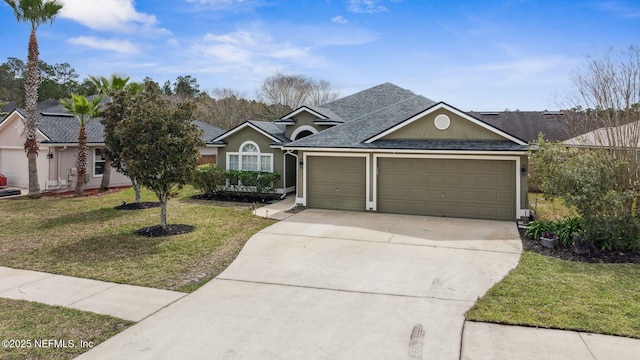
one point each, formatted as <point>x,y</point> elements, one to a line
<point>612,233</point>
<point>208,178</point>
<point>537,228</point>
<point>252,181</point>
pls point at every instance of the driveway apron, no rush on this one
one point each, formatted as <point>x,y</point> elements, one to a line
<point>334,285</point>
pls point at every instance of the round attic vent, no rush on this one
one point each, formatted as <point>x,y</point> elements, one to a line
<point>442,122</point>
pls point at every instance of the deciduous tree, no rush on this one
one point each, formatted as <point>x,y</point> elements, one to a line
<point>159,143</point>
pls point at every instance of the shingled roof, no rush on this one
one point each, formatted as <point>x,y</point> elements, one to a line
<point>527,125</point>
<point>61,127</point>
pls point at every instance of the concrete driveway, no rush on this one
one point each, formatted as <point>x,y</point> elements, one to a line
<point>334,285</point>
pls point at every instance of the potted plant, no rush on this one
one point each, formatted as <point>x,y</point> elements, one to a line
<point>548,239</point>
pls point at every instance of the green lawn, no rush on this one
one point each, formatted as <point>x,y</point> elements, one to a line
<point>552,293</point>
<point>37,327</point>
<point>87,237</point>
<point>549,292</point>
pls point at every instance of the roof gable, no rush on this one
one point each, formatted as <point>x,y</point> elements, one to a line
<point>302,109</point>
<point>270,130</point>
<point>11,122</point>
<point>456,127</point>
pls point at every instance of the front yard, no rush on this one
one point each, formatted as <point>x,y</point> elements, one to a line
<point>87,237</point>
<point>548,292</point>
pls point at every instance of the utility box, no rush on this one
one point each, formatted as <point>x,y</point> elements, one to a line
<point>3,180</point>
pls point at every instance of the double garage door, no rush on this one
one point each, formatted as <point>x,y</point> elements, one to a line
<point>467,188</point>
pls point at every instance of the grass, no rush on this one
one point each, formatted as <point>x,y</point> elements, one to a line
<point>86,237</point>
<point>552,293</point>
<point>30,322</point>
<point>549,208</point>
<point>548,292</point>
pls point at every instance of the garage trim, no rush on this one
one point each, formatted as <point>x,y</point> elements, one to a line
<point>519,210</point>
<point>305,157</point>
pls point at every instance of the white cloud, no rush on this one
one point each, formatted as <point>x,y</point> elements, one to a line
<point>120,46</point>
<point>366,6</point>
<point>340,20</point>
<point>109,15</point>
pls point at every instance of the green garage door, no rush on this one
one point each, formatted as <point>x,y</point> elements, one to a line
<point>479,189</point>
<point>336,183</point>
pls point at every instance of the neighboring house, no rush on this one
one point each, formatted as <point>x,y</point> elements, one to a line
<point>389,150</point>
<point>58,138</point>
<point>623,136</point>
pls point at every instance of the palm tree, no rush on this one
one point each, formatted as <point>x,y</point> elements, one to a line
<point>36,13</point>
<point>108,87</point>
<point>84,110</point>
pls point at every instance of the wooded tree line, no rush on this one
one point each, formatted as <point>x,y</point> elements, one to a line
<point>221,107</point>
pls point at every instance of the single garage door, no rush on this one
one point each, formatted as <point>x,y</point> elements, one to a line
<point>336,183</point>
<point>479,189</point>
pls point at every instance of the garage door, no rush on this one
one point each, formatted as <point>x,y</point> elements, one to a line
<point>481,189</point>
<point>15,166</point>
<point>336,183</point>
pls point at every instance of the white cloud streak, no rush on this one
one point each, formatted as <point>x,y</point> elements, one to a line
<point>119,46</point>
<point>366,6</point>
<point>340,20</point>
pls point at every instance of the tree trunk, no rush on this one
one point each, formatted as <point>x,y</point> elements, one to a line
<point>80,183</point>
<point>81,161</point>
<point>34,185</point>
<point>163,210</point>
<point>136,188</point>
<point>106,176</point>
<point>31,120</point>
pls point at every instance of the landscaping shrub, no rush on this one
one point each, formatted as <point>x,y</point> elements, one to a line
<point>208,178</point>
<point>212,180</point>
<point>252,181</point>
<point>537,228</point>
<point>567,230</point>
<point>613,232</point>
<point>597,187</point>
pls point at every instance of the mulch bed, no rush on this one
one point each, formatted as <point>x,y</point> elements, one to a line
<point>137,206</point>
<point>169,230</point>
<point>237,197</point>
<point>581,252</point>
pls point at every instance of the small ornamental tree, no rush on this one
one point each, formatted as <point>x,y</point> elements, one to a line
<point>586,181</point>
<point>112,116</point>
<point>159,143</point>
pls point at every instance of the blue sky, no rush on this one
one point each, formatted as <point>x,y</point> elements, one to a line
<point>474,55</point>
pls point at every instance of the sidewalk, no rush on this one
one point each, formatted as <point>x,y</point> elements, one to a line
<point>127,302</point>
<point>483,341</point>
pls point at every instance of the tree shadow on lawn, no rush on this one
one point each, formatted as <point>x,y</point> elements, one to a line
<point>86,217</point>
<point>107,248</point>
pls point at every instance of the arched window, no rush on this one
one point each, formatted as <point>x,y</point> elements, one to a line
<point>249,158</point>
<point>303,131</point>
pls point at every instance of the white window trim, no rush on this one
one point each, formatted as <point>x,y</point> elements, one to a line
<point>93,172</point>
<point>258,153</point>
<point>296,132</point>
